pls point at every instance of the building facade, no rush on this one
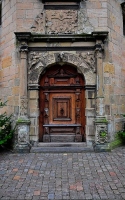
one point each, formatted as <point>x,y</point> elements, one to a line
<point>62,69</point>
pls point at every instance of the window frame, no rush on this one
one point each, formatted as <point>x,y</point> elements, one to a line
<point>123,13</point>
<point>61,5</point>
<point>0,12</point>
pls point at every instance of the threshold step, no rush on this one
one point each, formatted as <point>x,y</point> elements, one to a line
<point>61,144</point>
<point>61,149</point>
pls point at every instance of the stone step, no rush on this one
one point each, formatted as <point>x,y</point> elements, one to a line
<point>61,148</point>
<point>62,144</point>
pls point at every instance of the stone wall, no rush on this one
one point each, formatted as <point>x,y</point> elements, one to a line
<point>27,11</point>
<point>114,68</point>
<point>9,74</point>
<point>94,15</point>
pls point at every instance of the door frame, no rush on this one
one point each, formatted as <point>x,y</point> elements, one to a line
<point>72,86</point>
<point>36,71</point>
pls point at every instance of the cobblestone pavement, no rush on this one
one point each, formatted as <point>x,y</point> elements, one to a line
<point>63,176</point>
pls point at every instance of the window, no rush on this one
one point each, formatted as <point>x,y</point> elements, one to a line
<point>64,4</point>
<point>123,12</point>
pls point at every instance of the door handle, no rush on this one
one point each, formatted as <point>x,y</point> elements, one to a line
<point>62,111</point>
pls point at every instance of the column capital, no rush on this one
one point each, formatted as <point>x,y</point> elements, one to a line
<point>99,49</point>
<point>24,47</point>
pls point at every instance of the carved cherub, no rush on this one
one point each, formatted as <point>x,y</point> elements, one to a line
<point>89,59</point>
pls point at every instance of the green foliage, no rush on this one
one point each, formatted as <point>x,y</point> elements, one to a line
<point>6,131</point>
<point>116,142</point>
<point>103,134</point>
<point>122,135</point>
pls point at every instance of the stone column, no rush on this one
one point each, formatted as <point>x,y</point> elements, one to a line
<point>101,129</point>
<point>23,121</point>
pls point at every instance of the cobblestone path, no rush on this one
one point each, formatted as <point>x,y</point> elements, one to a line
<point>63,176</point>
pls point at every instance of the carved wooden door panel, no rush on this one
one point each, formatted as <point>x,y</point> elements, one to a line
<point>62,105</point>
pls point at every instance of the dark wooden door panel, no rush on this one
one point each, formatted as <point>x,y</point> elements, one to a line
<point>62,105</point>
<point>61,108</point>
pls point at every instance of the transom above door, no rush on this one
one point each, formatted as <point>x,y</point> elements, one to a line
<point>62,105</point>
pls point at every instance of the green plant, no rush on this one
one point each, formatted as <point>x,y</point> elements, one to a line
<point>6,131</point>
<point>122,135</point>
<point>103,134</point>
<point>116,142</point>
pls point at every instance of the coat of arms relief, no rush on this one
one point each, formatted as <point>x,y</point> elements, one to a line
<point>62,22</point>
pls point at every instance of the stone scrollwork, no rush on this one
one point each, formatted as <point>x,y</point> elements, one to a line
<point>102,134</point>
<point>38,25</point>
<point>84,25</point>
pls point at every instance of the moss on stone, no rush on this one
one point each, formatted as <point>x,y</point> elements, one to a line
<point>101,121</point>
<point>22,121</point>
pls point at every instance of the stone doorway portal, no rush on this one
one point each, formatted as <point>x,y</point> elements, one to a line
<point>62,105</point>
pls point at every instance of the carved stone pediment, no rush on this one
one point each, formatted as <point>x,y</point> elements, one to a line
<point>85,62</point>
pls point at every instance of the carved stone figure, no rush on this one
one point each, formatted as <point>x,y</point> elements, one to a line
<point>22,135</point>
<point>89,59</point>
<point>61,57</point>
<point>23,106</point>
<point>24,47</point>
<point>36,65</point>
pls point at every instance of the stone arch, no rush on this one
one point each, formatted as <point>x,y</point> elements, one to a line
<point>39,61</point>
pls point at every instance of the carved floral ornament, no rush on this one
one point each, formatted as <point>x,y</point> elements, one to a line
<point>102,134</point>
<point>38,61</point>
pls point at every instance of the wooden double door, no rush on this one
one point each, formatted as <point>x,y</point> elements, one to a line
<point>62,105</point>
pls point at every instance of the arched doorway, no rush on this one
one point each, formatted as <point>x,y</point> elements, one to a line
<point>62,105</point>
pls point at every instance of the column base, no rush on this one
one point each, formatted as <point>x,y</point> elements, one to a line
<point>22,148</point>
<point>22,144</point>
<point>101,147</point>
